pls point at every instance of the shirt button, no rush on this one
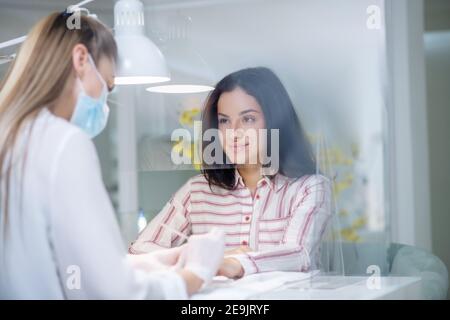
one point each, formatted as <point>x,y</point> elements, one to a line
<point>247,218</point>
<point>244,243</point>
<point>257,196</point>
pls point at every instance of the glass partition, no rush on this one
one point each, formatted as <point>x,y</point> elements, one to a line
<point>330,59</point>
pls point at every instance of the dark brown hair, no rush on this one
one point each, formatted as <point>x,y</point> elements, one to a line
<point>295,153</point>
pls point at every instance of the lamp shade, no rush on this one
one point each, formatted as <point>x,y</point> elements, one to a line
<point>140,60</point>
<point>190,73</point>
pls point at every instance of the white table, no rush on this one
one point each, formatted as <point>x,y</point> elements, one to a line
<point>349,288</point>
<point>320,288</point>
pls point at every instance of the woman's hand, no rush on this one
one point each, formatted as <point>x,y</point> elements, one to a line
<point>231,268</point>
<point>193,282</point>
<point>157,260</point>
<point>204,253</point>
<point>239,250</point>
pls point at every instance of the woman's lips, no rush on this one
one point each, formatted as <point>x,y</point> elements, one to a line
<point>239,146</point>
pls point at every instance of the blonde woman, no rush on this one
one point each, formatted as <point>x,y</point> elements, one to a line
<point>59,236</point>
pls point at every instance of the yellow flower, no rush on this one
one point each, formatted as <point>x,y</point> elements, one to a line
<point>350,234</point>
<point>343,213</point>
<point>187,150</point>
<point>359,222</point>
<point>187,117</point>
<point>345,183</point>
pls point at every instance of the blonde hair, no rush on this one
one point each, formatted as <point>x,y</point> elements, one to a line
<point>38,76</point>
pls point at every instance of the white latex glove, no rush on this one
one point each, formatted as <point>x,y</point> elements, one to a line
<point>163,259</point>
<point>204,254</point>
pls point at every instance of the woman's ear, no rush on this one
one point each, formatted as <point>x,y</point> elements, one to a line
<point>80,58</point>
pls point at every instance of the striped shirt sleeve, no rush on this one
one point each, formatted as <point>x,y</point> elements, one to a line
<point>174,214</point>
<point>303,234</point>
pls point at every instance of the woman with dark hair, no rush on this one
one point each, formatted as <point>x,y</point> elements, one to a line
<point>273,220</point>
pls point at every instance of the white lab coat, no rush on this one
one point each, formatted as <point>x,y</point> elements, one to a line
<point>65,241</point>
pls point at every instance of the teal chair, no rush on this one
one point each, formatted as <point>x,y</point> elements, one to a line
<point>411,261</point>
<point>393,260</point>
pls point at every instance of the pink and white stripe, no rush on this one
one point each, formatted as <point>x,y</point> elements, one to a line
<point>281,223</point>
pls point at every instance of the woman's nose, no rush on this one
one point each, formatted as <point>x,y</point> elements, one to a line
<point>238,133</point>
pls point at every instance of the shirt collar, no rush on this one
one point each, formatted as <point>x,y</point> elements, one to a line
<point>238,179</point>
<point>275,182</point>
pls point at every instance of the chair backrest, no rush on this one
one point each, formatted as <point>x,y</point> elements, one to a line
<point>413,261</point>
<point>361,259</point>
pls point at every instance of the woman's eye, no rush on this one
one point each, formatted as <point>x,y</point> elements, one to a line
<point>223,121</point>
<point>249,119</point>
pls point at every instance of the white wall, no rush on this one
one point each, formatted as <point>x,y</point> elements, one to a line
<point>408,144</point>
<point>330,62</point>
<point>437,46</point>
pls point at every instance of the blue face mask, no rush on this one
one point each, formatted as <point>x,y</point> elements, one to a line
<point>91,114</point>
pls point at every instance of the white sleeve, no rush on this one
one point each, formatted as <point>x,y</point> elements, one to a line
<point>88,249</point>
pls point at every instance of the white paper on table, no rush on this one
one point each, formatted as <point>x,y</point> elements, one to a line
<point>222,288</point>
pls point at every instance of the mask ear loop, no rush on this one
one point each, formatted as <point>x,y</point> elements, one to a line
<point>91,60</point>
<point>104,88</point>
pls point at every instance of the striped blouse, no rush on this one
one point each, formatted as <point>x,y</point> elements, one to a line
<point>282,223</point>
